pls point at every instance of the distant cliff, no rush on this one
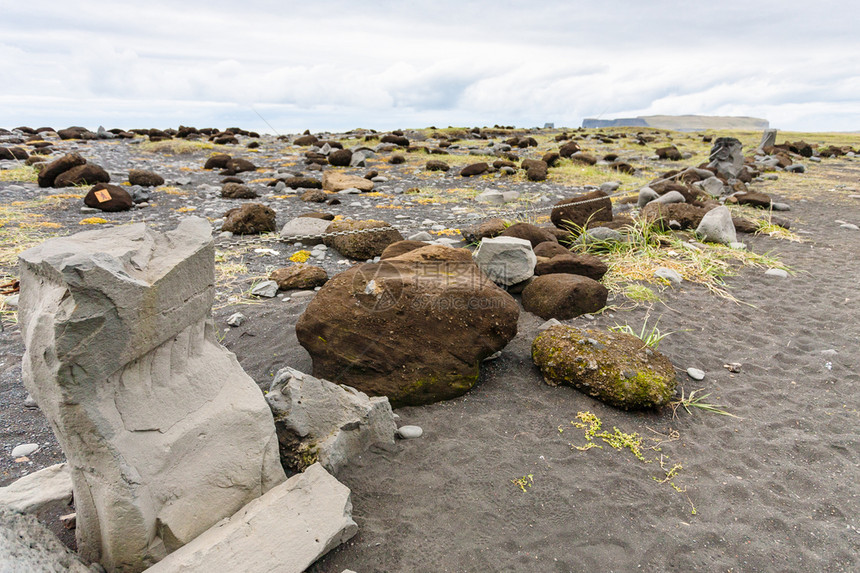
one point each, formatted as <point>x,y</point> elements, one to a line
<point>681,122</point>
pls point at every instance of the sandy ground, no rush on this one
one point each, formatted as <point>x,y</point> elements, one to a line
<point>773,489</point>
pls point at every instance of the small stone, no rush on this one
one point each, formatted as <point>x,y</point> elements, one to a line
<point>776,273</point>
<point>236,319</point>
<point>422,236</point>
<point>670,275</point>
<point>30,402</point>
<point>851,226</point>
<point>549,323</point>
<point>11,301</point>
<point>733,367</point>
<point>266,289</point>
<point>780,206</point>
<point>695,374</point>
<point>409,432</point>
<point>493,356</point>
<point>24,450</point>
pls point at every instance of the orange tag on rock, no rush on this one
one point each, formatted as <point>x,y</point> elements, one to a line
<point>102,195</point>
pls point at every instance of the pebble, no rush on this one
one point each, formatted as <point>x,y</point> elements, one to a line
<point>549,323</point>
<point>422,236</point>
<point>409,432</point>
<point>11,301</point>
<point>829,352</point>
<point>695,374</point>
<point>24,450</point>
<point>30,402</point>
<point>851,226</point>
<point>236,319</point>
<point>733,367</point>
<point>669,274</point>
<point>266,289</point>
<point>775,206</point>
<point>493,356</point>
<point>776,273</point>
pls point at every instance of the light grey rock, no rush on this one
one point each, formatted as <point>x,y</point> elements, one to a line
<point>796,168</point>
<point>507,170</point>
<point>352,190</point>
<point>34,491</point>
<point>236,319</point>
<point>851,226</point>
<point>599,234</point>
<point>815,159</point>
<point>780,273</point>
<point>11,301</point>
<point>670,275</point>
<point>670,197</point>
<point>285,530</point>
<point>265,289</point>
<point>305,227</point>
<point>716,226</point>
<point>695,374</point>
<point>768,139</point>
<point>491,197</point>
<point>780,206</point>
<point>409,432</point>
<point>548,324</point>
<point>24,450</point>
<point>646,195</point>
<point>30,402</point>
<point>510,196</point>
<point>712,186</point>
<point>164,432</point>
<point>321,421</point>
<point>506,260</point>
<point>421,236</point>
<point>610,186</point>
<point>27,546</point>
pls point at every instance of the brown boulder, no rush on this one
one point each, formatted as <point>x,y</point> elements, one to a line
<point>576,211</point>
<point>249,219</point>
<point>337,181</point>
<point>306,140</point>
<point>87,174</point>
<point>536,170</point>
<point>144,178</point>
<point>474,169</point>
<point>240,165</point>
<point>314,196</point>
<point>299,277</point>
<point>549,249</point>
<point>302,183</point>
<point>436,165</point>
<point>687,215</point>
<point>13,153</point>
<point>415,332</point>
<point>550,158</point>
<point>400,140</point>
<point>753,199</point>
<point>563,296</point>
<point>237,191</point>
<point>670,153</point>
<point>340,157</point>
<point>584,158</point>
<point>108,198</point>
<point>400,248</point>
<point>435,253</point>
<point>569,149</point>
<point>622,167</point>
<point>574,264</point>
<point>318,215</point>
<point>361,246</point>
<point>531,233</point>
<point>486,230</point>
<point>217,161</point>
<point>50,172</point>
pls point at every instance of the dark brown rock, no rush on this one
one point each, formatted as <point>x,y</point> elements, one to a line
<point>573,213</point>
<point>340,157</point>
<point>314,196</point>
<point>217,161</point>
<point>436,165</point>
<point>306,140</point>
<point>400,140</point>
<point>237,191</point>
<point>240,165</point>
<point>415,332</point>
<point>687,215</point>
<point>563,296</point>
<point>13,153</point>
<point>109,198</point>
<point>584,158</point>
<point>474,169</point>
<point>299,277</point>
<point>144,178</point>
<point>50,172</point>
<point>318,215</point>
<point>302,183</point>
<point>531,233</point>
<point>249,219</point>
<point>572,263</point>
<point>753,199</point>
<point>486,230</point>
<point>87,174</point>
<point>536,170</point>
<point>550,158</point>
<point>361,246</point>
<point>401,248</point>
<point>623,167</point>
<point>549,249</point>
<point>397,159</point>
<point>569,149</point>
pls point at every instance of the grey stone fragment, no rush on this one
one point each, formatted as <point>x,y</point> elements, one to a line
<point>599,234</point>
<point>727,157</point>
<point>717,226</point>
<point>236,319</point>
<point>11,301</point>
<point>285,530</point>
<point>331,422</point>
<point>27,546</point>
<point>646,195</point>
<point>670,197</point>
<point>421,236</point>
<point>712,186</point>
<point>409,432</point>
<point>768,139</point>
<point>23,450</point>
<point>265,289</point>
<point>796,168</point>
<point>38,489</point>
<point>780,206</point>
<point>304,227</point>
<point>780,273</point>
<point>670,275</point>
<point>506,260</point>
<point>548,324</point>
<point>695,374</point>
<point>491,197</point>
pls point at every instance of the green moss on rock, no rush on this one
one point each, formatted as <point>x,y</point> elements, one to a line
<point>614,367</point>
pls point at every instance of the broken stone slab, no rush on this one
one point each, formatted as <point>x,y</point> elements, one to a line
<point>768,139</point>
<point>727,157</point>
<point>712,186</point>
<point>305,227</point>
<point>336,181</point>
<point>34,491</point>
<point>318,420</point>
<point>717,226</point>
<point>164,432</point>
<point>285,530</point>
<point>26,545</point>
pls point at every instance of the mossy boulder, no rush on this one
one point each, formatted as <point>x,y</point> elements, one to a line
<point>364,244</point>
<point>613,367</point>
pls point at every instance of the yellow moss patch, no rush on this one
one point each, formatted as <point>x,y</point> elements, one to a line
<point>93,221</point>
<point>300,256</point>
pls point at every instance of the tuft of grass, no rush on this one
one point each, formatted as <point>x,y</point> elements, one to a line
<point>177,146</point>
<point>694,400</point>
<point>22,174</point>
<point>650,337</point>
<point>640,293</point>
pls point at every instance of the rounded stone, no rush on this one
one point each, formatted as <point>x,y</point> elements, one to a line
<point>695,374</point>
<point>409,432</point>
<point>24,450</point>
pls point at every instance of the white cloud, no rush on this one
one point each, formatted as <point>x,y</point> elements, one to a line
<point>337,64</point>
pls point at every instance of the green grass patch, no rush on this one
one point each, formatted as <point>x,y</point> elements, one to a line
<point>22,174</point>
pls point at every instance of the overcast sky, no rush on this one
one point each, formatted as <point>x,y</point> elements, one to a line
<point>339,65</point>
